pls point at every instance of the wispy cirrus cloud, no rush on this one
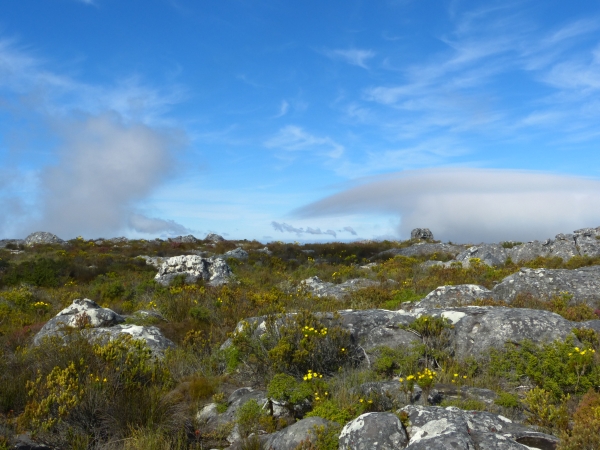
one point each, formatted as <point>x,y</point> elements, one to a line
<point>352,56</point>
<point>292,138</point>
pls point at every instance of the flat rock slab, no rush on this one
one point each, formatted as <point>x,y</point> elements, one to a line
<point>422,249</point>
<point>373,431</point>
<point>459,295</point>
<point>583,284</point>
<point>319,288</point>
<point>436,428</point>
<point>213,270</point>
<point>100,324</point>
<point>475,330</point>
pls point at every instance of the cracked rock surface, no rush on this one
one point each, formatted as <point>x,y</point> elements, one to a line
<point>319,288</point>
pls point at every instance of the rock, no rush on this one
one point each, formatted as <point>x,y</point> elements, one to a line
<point>11,242</point>
<point>118,240</point>
<point>588,241</point>
<point>422,249</point>
<point>213,270</point>
<point>265,250</point>
<point>583,284</point>
<point>238,253</point>
<point>155,261</point>
<point>189,239</point>
<point>101,324</point>
<point>435,428</point>
<point>462,294</point>
<point>490,254</point>
<point>24,442</point>
<point>453,392</point>
<point>214,238</point>
<point>388,394</point>
<point>42,237</point>
<point>290,437</point>
<point>319,288</point>
<point>475,330</point>
<point>421,234</point>
<point>373,431</point>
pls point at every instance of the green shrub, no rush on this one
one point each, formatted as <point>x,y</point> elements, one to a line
<point>559,368</point>
<point>290,392</point>
<point>249,416</point>
<point>507,400</point>
<point>329,410</point>
<point>545,411</point>
<point>585,434</point>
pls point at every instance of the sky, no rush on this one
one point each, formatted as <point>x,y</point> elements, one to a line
<point>299,121</point>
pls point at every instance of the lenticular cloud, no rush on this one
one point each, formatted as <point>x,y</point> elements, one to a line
<point>472,205</point>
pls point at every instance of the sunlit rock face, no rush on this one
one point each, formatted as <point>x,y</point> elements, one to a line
<point>214,271</point>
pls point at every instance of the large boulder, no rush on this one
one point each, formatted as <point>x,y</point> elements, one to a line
<point>490,254</point>
<point>436,428</point>
<point>373,431</point>
<point>582,284</point>
<point>189,239</point>
<point>476,330</point>
<point>421,234</point>
<point>99,323</point>
<point>213,270</point>
<point>238,253</point>
<point>42,237</point>
<point>459,295</point>
<point>214,238</point>
<point>319,288</point>
<point>291,437</point>
<point>422,249</point>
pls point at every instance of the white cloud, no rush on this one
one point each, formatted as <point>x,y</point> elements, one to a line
<point>155,226</point>
<point>286,228</point>
<point>292,138</point>
<point>352,56</point>
<point>472,205</point>
<point>283,109</point>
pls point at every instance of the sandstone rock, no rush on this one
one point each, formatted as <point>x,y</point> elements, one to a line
<point>476,329</point>
<point>214,238</point>
<point>12,242</point>
<point>290,438</point>
<point>117,240</point>
<point>421,234</point>
<point>265,250</point>
<point>155,261</point>
<point>446,296</point>
<point>422,249</point>
<point>213,270</point>
<point>388,394</point>
<point>583,284</point>
<point>319,288</point>
<point>100,324</point>
<point>238,253</point>
<point>435,428</point>
<point>370,431</point>
<point>42,237</point>
<point>189,239</point>
<point>490,254</point>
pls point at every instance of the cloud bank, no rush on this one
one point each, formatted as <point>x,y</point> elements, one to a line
<point>472,205</point>
<point>104,167</point>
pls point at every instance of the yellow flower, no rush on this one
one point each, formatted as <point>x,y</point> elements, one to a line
<point>400,380</point>
<point>104,380</point>
<point>305,378</point>
<point>576,349</point>
<point>455,374</point>
<point>361,400</point>
<point>464,376</point>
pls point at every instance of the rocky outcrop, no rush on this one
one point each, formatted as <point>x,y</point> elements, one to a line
<point>214,238</point>
<point>291,437</point>
<point>264,250</point>
<point>214,271</point>
<point>238,253</point>
<point>42,237</point>
<point>155,261</point>
<point>422,249</point>
<point>447,296</point>
<point>435,428</point>
<point>99,323</point>
<point>376,430</point>
<point>476,330</point>
<point>189,239</point>
<point>319,288</point>
<point>421,234</point>
<point>11,242</point>
<point>582,284</point>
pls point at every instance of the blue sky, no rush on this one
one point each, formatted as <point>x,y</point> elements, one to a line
<point>308,121</point>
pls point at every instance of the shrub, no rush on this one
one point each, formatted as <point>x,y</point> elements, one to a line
<point>249,417</point>
<point>507,400</point>
<point>585,434</point>
<point>291,393</point>
<point>544,411</point>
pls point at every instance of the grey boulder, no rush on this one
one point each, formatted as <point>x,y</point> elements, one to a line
<point>291,437</point>
<point>319,288</point>
<point>15,242</point>
<point>214,238</point>
<point>459,295</point>
<point>582,284</point>
<point>101,324</point>
<point>42,237</point>
<point>421,234</point>
<point>213,270</point>
<point>189,239</point>
<point>435,428</point>
<point>237,253</point>
<point>373,431</point>
<point>422,249</point>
